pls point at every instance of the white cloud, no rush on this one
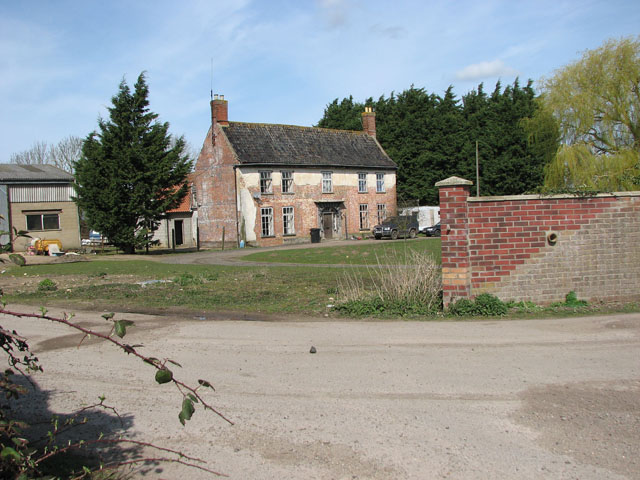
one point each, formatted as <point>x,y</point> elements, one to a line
<point>479,71</point>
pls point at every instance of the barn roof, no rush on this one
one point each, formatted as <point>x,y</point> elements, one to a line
<point>13,173</point>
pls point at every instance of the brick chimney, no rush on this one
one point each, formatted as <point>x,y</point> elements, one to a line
<point>369,121</point>
<point>219,110</point>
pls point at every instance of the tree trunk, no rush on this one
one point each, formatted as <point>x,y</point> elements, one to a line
<point>128,249</point>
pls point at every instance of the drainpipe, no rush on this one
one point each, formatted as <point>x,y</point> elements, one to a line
<point>235,188</point>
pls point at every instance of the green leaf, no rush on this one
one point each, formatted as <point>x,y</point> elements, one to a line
<point>192,397</point>
<point>164,375</point>
<point>206,384</point>
<point>8,452</point>
<point>187,410</point>
<point>17,259</point>
<point>108,316</point>
<point>121,330</point>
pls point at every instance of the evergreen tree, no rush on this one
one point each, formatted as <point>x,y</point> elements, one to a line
<point>131,171</point>
<point>432,137</point>
<point>343,116</point>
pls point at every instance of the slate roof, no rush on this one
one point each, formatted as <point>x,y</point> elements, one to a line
<point>13,173</point>
<point>287,145</point>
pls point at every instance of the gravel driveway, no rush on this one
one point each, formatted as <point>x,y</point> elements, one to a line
<point>531,399</point>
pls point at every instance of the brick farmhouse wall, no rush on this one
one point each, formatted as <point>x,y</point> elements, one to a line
<point>539,248</point>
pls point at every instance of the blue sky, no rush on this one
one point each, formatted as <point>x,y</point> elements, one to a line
<point>276,61</point>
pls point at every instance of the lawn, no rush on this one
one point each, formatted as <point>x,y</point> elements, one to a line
<point>146,285</point>
<point>383,251</point>
<point>142,285</point>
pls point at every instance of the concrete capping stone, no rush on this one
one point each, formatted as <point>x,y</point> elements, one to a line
<point>453,182</point>
<point>537,196</point>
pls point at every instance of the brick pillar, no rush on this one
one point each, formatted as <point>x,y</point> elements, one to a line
<point>456,271</point>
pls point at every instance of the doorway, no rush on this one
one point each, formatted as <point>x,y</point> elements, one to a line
<point>327,225</point>
<point>177,225</point>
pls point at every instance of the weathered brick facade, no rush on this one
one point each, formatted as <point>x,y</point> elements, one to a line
<point>538,248</point>
<point>236,157</point>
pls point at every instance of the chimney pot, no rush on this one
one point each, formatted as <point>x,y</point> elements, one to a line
<point>369,121</point>
<point>219,110</point>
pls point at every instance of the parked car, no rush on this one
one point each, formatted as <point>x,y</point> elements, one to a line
<point>432,231</point>
<point>394,227</point>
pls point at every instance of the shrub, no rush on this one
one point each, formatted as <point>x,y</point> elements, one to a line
<point>47,285</point>
<point>393,289</point>
<point>484,304</point>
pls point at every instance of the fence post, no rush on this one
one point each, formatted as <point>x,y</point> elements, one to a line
<point>456,269</point>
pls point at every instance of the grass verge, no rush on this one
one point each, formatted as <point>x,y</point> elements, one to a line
<point>397,252</point>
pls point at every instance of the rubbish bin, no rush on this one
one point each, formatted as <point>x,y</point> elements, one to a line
<point>315,235</point>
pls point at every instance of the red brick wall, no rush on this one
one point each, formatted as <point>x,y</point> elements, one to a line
<point>214,178</point>
<point>501,245</point>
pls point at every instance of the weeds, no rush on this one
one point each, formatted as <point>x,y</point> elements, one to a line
<point>571,301</point>
<point>185,279</point>
<point>47,285</point>
<point>389,288</point>
<point>484,305</point>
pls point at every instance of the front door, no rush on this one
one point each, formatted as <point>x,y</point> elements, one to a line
<point>327,225</point>
<point>178,231</point>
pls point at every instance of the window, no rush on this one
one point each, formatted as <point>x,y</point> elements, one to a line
<point>43,221</point>
<point>362,183</point>
<point>265,182</point>
<point>382,212</point>
<point>327,182</point>
<point>380,182</point>
<point>266,217</point>
<point>287,221</point>
<point>287,181</point>
<point>364,217</point>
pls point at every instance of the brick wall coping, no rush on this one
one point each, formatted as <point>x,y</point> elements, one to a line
<point>514,198</point>
<point>452,182</point>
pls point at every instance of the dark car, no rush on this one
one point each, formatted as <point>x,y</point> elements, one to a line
<point>394,227</point>
<point>432,231</point>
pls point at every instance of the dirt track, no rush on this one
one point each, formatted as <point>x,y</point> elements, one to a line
<point>556,399</point>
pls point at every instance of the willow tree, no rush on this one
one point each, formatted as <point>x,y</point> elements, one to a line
<point>596,102</point>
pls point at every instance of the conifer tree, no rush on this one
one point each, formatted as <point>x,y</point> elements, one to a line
<point>432,137</point>
<point>130,171</point>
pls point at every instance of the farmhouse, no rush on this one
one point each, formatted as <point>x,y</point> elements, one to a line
<point>38,199</point>
<point>268,184</point>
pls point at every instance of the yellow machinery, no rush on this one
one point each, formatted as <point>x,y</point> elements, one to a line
<point>42,246</point>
